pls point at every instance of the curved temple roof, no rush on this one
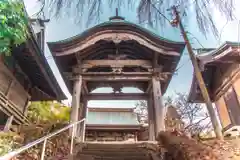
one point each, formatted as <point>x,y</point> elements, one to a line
<point>104,39</point>
<point>67,45</point>
<point>35,65</point>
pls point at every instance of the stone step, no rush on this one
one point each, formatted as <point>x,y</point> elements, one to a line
<point>119,145</point>
<point>116,151</point>
<point>123,158</point>
<point>119,153</point>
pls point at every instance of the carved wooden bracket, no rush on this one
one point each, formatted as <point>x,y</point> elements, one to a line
<point>161,76</point>
<point>117,88</point>
<point>117,69</point>
<point>116,39</point>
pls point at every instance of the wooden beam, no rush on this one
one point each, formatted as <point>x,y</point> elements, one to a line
<point>117,96</point>
<point>123,76</point>
<point>119,63</point>
<point>117,73</point>
<point>116,78</point>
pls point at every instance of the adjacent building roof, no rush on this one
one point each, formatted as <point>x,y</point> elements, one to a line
<point>209,61</point>
<point>33,62</point>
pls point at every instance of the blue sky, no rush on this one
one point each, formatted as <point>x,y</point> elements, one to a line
<point>65,27</point>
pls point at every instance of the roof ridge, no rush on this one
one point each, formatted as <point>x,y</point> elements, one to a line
<point>120,22</point>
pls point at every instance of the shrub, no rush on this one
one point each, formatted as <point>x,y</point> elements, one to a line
<point>13,25</point>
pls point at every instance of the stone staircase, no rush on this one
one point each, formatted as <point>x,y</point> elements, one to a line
<point>116,151</point>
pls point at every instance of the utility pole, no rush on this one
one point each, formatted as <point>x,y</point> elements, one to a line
<point>177,22</point>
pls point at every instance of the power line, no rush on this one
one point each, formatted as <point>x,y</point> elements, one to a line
<point>182,65</point>
<point>194,37</point>
<point>160,12</point>
<point>220,36</point>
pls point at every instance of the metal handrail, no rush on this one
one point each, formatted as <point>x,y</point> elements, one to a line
<point>44,140</point>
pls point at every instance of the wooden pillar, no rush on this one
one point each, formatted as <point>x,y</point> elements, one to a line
<point>136,136</point>
<point>76,102</point>
<point>158,106</point>
<point>83,114</point>
<point>95,136</point>
<point>151,119</point>
<point>8,124</point>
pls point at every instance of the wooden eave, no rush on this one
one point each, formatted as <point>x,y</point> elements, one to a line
<point>227,53</point>
<point>33,62</point>
<point>115,27</point>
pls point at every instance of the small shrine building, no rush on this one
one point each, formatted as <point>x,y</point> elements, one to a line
<point>25,76</point>
<point>221,72</point>
<point>112,124</point>
<point>118,54</point>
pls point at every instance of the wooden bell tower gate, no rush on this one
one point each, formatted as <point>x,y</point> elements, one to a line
<point>118,54</point>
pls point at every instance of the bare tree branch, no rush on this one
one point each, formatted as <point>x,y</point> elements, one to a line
<point>142,112</point>
<point>152,11</point>
<point>191,118</point>
<point>194,116</point>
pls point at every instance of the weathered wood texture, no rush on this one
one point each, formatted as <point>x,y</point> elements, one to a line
<point>143,134</point>
<point>233,105</point>
<point>158,106</point>
<point>223,112</point>
<point>12,89</point>
<point>10,109</point>
<point>76,103</point>
<point>117,78</point>
<point>8,124</point>
<point>236,86</point>
<point>227,75</point>
<point>151,118</point>
<point>18,95</point>
<point>115,63</point>
<point>82,114</point>
<point>228,105</point>
<point>226,92</point>
<point>117,96</point>
<point>121,36</point>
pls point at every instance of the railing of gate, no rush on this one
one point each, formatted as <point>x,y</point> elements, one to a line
<point>44,139</point>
